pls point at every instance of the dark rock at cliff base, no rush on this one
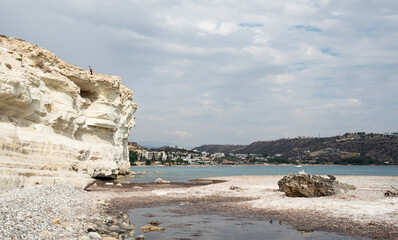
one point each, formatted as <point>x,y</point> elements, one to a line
<point>306,185</point>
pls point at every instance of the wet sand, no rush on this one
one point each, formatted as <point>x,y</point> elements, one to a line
<point>363,212</point>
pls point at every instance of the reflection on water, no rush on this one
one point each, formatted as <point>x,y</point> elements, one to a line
<point>202,226</point>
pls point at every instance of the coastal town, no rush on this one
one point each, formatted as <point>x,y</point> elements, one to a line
<point>328,154</point>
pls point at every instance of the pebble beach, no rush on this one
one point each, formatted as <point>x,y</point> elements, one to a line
<point>57,211</point>
<point>61,211</point>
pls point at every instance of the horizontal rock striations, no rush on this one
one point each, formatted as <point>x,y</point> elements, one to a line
<point>58,122</point>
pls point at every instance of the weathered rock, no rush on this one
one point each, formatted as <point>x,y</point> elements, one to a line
<point>154,222</point>
<point>94,236</point>
<point>126,226</point>
<point>92,228</point>
<point>306,185</point>
<point>84,238</point>
<point>140,237</point>
<point>58,123</point>
<point>235,188</point>
<point>117,229</point>
<point>151,228</point>
<point>131,233</point>
<point>159,180</point>
<point>109,238</point>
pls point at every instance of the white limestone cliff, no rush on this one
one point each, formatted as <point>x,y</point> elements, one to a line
<point>58,123</point>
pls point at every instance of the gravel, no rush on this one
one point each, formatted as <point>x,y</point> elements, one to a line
<point>54,211</point>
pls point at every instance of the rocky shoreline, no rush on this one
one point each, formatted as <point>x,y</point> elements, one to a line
<point>363,212</point>
<point>61,211</point>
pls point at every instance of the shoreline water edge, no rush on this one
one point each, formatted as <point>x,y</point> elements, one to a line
<point>364,212</point>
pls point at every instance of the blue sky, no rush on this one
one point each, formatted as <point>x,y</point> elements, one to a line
<point>227,71</point>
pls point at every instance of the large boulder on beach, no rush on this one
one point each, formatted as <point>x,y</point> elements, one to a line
<point>161,181</point>
<point>58,122</point>
<point>306,185</point>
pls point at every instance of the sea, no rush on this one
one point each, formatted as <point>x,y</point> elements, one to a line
<point>186,173</point>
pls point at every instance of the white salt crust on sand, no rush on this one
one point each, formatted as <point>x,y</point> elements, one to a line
<point>365,204</point>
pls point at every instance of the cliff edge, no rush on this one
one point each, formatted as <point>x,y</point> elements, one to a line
<point>58,122</point>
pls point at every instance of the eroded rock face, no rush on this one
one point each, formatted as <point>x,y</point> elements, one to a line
<point>306,185</point>
<point>57,121</point>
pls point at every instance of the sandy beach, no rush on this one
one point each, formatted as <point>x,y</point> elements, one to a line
<point>362,212</point>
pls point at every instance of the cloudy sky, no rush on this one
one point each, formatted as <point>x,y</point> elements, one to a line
<point>228,71</point>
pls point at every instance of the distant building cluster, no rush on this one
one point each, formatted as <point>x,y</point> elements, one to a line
<point>331,154</point>
<point>363,135</point>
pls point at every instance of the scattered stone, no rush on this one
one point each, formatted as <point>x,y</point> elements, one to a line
<point>116,229</point>
<point>109,220</point>
<point>127,226</point>
<point>95,184</point>
<point>159,180</point>
<point>306,185</point>
<point>389,193</point>
<point>109,183</point>
<point>154,222</point>
<point>109,238</point>
<point>151,228</point>
<point>94,235</point>
<point>119,185</point>
<point>235,188</point>
<point>140,237</point>
<point>84,238</point>
<point>92,228</point>
<point>130,238</point>
<point>131,233</point>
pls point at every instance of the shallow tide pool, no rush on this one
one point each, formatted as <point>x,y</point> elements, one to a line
<point>205,226</point>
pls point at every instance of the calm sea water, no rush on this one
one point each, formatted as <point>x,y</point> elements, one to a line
<point>183,174</point>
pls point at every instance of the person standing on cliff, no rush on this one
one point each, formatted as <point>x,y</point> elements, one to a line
<point>91,70</point>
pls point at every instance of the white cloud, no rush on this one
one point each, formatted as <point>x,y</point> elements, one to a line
<point>344,103</point>
<point>352,102</point>
<point>212,67</point>
<point>211,27</point>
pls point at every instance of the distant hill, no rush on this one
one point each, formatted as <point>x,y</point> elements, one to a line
<point>375,148</point>
<point>213,148</point>
<point>133,146</point>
